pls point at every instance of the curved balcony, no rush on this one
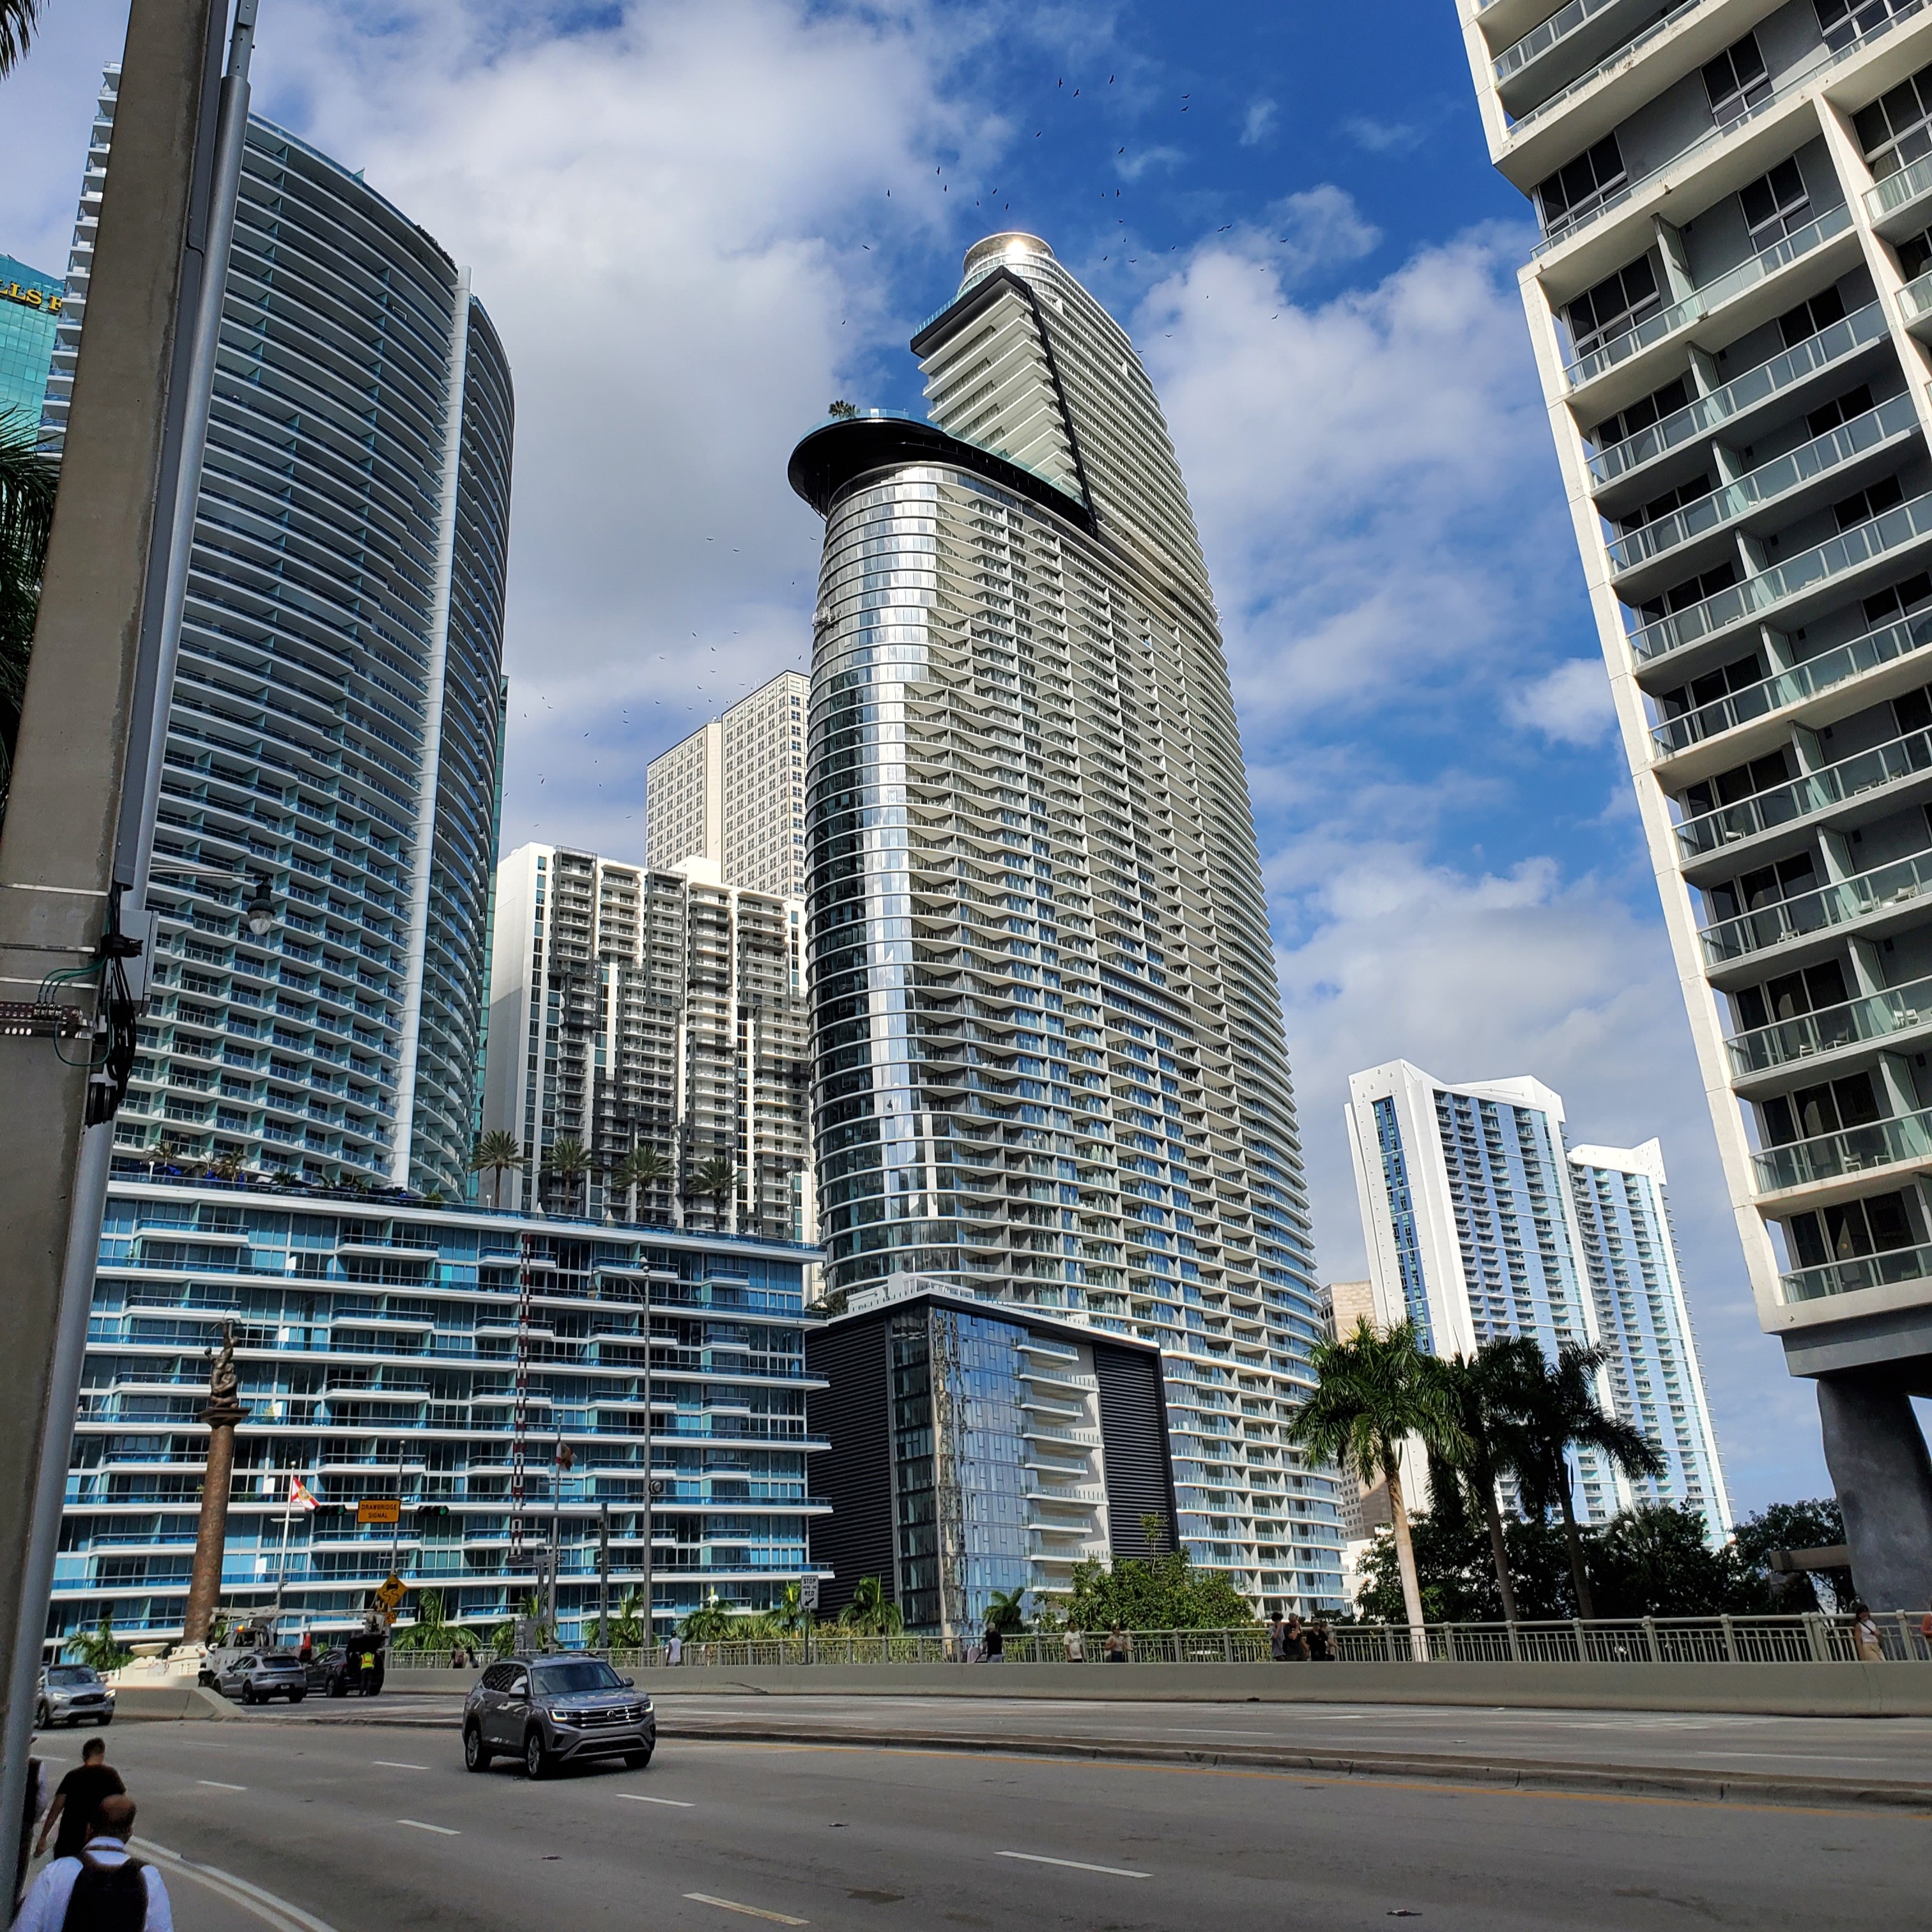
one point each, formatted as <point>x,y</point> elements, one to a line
<point>1906,1137</point>
<point>1807,796</point>
<point>1826,672</point>
<point>1843,339</point>
<point>1708,301</point>
<point>1826,567</point>
<point>1846,902</point>
<point>1889,1270</point>
<point>1876,1016</point>
<point>1893,420</point>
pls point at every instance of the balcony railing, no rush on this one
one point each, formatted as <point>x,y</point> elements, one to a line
<point>1850,1151</point>
<point>1875,1016</point>
<point>1844,337</point>
<point>1896,416</point>
<point>1804,797</point>
<point>1880,890</point>
<point>1915,299</point>
<point>1827,670</point>
<point>1895,529</point>
<point>1886,1270</point>
<point>1708,300</point>
<point>1628,51</point>
<point>1896,190</point>
<point>1540,39</point>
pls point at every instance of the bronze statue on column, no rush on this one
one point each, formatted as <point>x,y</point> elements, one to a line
<point>225,1409</point>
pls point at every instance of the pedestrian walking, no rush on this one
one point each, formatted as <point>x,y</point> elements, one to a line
<point>1321,1646</point>
<point>673,1648</point>
<point>1294,1641</point>
<point>102,1887</point>
<point>1076,1645</point>
<point>1277,1638</point>
<point>1115,1649</point>
<point>996,1644</point>
<point>33,1803</point>
<point>1867,1645</point>
<point>78,1799</point>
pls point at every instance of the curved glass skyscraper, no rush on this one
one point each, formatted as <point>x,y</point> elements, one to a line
<point>1049,1059</point>
<point>335,726</point>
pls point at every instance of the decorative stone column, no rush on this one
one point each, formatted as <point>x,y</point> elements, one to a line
<point>225,1409</point>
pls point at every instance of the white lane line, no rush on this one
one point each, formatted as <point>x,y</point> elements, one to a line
<point>643,1797</point>
<point>1074,1864</point>
<point>417,1825</point>
<point>396,1764</point>
<point>1213,1731</point>
<point>1797,1757</point>
<point>215,1784</point>
<point>272,1911</point>
<point>749,1911</point>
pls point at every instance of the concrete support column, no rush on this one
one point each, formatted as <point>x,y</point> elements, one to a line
<point>1876,1453</point>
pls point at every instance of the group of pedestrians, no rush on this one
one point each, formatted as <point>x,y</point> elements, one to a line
<point>1292,1641</point>
<point>94,1883</point>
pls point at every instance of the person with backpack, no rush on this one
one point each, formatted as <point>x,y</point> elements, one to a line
<point>104,1889</point>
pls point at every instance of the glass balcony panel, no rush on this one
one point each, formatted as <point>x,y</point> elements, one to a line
<point>1897,416</point>
<point>1848,1277</point>
<point>1837,904</point>
<point>1629,49</point>
<point>1708,300</point>
<point>1876,1016</point>
<point>1897,189</point>
<point>1904,524</point>
<point>1822,673</point>
<point>1843,338</point>
<point>1914,300</point>
<point>1907,1137</point>
<point>1540,39</point>
<point>1815,792</point>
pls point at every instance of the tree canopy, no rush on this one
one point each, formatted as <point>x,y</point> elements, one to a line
<point>1165,1592</point>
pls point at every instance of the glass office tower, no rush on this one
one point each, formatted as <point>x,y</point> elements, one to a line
<point>30,309</point>
<point>333,735</point>
<point>1049,1054</point>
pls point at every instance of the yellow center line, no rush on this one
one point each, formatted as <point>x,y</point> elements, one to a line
<point>749,1911</point>
<point>1381,1783</point>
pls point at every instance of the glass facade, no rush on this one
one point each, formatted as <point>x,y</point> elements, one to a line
<point>377,1348</point>
<point>30,308</point>
<point>1049,1056</point>
<point>336,719</point>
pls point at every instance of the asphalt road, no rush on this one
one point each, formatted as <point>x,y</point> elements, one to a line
<point>367,1829</point>
<point>1849,1749</point>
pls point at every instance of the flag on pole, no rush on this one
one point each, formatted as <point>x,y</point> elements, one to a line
<point>300,1495</point>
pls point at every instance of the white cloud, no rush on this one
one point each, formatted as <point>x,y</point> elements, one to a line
<point>1132,162</point>
<point>1383,137</point>
<point>1570,704</point>
<point>1259,123</point>
<point>1319,228</point>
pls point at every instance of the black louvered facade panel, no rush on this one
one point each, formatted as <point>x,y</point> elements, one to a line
<point>1133,1437</point>
<point>855,1475</point>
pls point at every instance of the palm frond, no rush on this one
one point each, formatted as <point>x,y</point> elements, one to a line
<point>17,18</point>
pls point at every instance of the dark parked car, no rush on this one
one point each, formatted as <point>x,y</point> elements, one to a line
<point>72,1694</point>
<point>257,1675</point>
<point>549,1710</point>
<point>343,1670</point>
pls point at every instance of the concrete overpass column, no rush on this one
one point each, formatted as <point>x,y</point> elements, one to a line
<point>1876,1453</point>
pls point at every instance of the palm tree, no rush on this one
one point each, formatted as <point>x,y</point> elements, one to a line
<point>709,1623</point>
<point>715,1179</point>
<point>1488,1392</point>
<point>1559,1411</point>
<point>632,1629</point>
<point>100,1650</point>
<point>871,1612</point>
<point>495,1154</point>
<point>1372,1392</point>
<point>1006,1611</point>
<point>571,1160</point>
<point>644,1169</point>
<point>16,28</point>
<point>788,1612</point>
<point>27,485</point>
<point>431,1631</point>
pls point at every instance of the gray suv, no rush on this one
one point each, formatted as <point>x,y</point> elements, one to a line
<point>549,1710</point>
<point>72,1694</point>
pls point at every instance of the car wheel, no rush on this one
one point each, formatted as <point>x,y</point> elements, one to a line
<point>43,1718</point>
<point>105,1718</point>
<point>248,1693</point>
<point>475,1752</point>
<point>296,1697</point>
<point>336,1688</point>
<point>536,1760</point>
<point>636,1760</point>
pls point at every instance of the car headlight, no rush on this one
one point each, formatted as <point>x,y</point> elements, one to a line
<point>562,1722</point>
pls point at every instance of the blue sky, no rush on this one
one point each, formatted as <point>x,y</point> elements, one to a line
<point>695,223</point>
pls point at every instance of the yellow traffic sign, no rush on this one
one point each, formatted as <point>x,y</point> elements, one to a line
<point>378,1509</point>
<point>389,1595</point>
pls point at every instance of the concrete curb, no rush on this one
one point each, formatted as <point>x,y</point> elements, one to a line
<point>142,1703</point>
<point>1501,1774</point>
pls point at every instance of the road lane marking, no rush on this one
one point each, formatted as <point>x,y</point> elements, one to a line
<point>1074,1864</point>
<point>749,1911</point>
<point>272,1911</point>
<point>215,1784</point>
<point>395,1764</point>
<point>643,1797</point>
<point>417,1825</point>
<point>1211,1731</point>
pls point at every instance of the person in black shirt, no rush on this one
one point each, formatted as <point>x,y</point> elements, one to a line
<point>78,1798</point>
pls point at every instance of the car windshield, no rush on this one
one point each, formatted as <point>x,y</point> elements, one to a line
<point>586,1674</point>
<point>65,1676</point>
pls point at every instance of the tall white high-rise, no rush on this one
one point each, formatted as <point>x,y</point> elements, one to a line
<point>1048,1057</point>
<point>1731,312</point>
<point>734,791</point>
<point>1482,1222</point>
<point>635,1008</point>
